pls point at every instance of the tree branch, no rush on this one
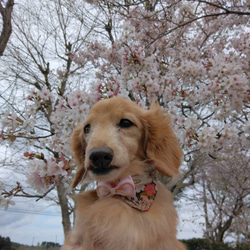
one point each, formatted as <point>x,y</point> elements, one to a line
<point>228,11</point>
<point>225,12</point>
<point>19,192</point>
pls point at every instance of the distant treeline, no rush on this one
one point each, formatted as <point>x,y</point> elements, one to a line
<point>192,244</point>
<point>204,244</point>
<point>6,244</point>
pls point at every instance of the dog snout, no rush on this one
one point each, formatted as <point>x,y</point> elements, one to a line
<point>101,157</point>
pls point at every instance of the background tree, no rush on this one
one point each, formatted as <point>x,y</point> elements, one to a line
<point>223,189</point>
<point>191,56</point>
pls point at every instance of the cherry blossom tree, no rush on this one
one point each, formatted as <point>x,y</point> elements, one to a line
<point>191,56</point>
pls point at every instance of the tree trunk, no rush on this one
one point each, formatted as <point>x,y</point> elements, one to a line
<point>222,229</point>
<point>61,192</point>
<point>7,27</point>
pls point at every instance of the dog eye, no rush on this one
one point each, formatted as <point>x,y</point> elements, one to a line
<point>86,129</point>
<point>125,123</point>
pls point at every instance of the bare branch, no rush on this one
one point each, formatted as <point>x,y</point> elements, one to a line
<point>225,12</point>
<point>19,192</point>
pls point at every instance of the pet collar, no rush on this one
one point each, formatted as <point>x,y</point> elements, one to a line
<point>137,191</point>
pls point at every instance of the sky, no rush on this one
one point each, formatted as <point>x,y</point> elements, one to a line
<point>29,222</point>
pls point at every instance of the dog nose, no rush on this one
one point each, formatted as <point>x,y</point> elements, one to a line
<point>101,157</point>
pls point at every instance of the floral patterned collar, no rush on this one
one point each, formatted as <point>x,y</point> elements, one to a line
<point>146,190</point>
<point>140,197</point>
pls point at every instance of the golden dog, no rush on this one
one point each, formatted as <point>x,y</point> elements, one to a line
<point>122,147</point>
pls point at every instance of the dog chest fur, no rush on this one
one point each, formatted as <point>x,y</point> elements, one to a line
<point>126,227</point>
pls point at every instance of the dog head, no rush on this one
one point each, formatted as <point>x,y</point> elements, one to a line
<point>118,137</point>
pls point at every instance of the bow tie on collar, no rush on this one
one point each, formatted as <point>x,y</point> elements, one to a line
<point>125,187</point>
<point>138,192</point>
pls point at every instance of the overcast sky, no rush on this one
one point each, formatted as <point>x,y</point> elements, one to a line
<point>30,222</point>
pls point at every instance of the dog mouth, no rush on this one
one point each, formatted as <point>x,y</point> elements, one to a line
<point>102,170</point>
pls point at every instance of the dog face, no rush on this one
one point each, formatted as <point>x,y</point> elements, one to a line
<point>117,137</point>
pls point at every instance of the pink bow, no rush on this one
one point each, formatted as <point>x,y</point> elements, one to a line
<point>125,187</point>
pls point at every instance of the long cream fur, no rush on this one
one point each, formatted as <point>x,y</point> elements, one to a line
<point>109,223</point>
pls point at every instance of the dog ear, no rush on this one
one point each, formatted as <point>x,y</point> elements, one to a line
<point>78,145</point>
<point>161,144</point>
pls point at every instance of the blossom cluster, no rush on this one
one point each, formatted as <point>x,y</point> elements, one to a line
<point>66,114</point>
<point>63,114</point>
<point>46,172</point>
